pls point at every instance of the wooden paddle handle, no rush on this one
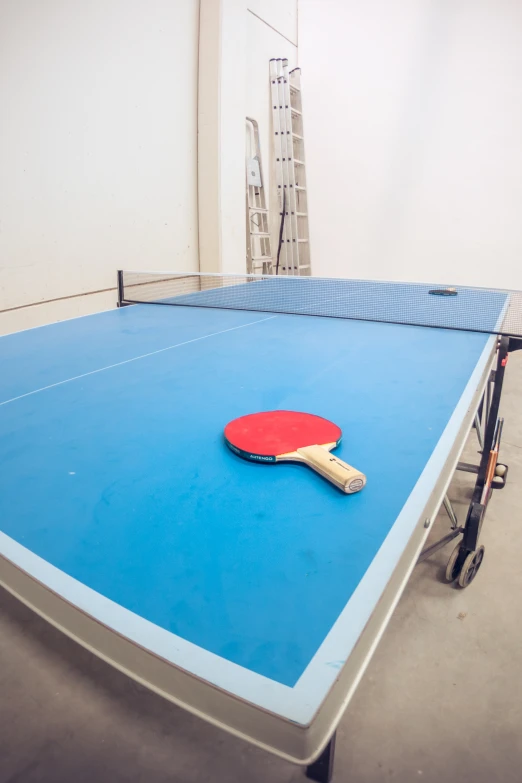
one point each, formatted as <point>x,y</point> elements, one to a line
<point>332,468</point>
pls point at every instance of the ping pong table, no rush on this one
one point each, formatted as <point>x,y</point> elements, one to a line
<point>251,595</point>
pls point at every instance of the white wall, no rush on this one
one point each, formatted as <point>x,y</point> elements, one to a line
<point>413,127</point>
<point>98,143</point>
<point>55,310</point>
<point>222,47</point>
<point>280,15</point>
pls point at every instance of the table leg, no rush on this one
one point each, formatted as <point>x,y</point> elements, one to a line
<point>322,768</point>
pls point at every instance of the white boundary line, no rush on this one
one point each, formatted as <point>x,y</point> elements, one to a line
<point>135,359</point>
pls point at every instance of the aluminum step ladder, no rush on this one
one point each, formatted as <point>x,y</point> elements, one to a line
<point>258,252</point>
<point>293,256</point>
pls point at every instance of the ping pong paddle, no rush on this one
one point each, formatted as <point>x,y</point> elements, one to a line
<point>279,436</point>
<point>443,291</point>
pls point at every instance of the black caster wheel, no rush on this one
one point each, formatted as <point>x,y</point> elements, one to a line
<point>453,567</point>
<point>499,479</point>
<point>471,566</point>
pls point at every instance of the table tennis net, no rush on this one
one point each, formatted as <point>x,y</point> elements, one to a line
<point>491,311</point>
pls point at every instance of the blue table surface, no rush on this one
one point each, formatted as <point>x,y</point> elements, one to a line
<point>115,470</point>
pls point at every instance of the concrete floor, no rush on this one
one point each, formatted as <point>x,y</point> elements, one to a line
<point>441,700</point>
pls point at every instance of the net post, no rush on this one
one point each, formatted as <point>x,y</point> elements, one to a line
<point>120,288</point>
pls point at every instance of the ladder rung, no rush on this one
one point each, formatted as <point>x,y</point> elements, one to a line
<point>259,209</point>
<point>259,234</point>
<point>296,111</point>
<point>302,240</point>
<point>298,187</point>
<point>298,162</point>
<point>293,88</point>
<point>261,258</point>
<point>297,136</point>
<point>301,214</point>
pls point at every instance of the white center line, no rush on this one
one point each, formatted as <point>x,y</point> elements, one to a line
<point>136,358</point>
